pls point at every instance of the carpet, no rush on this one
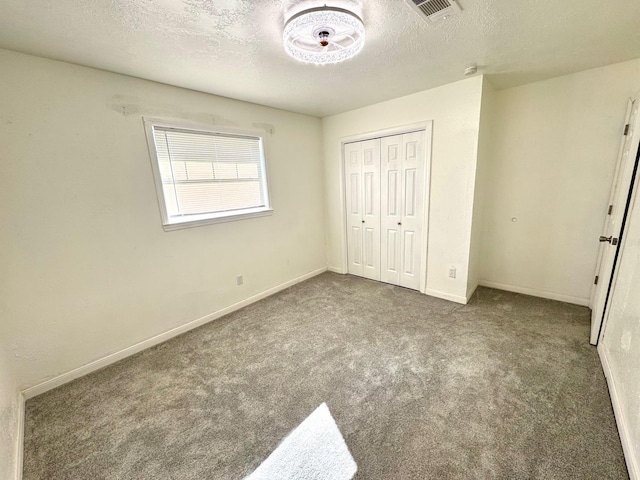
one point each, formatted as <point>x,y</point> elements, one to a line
<point>506,387</point>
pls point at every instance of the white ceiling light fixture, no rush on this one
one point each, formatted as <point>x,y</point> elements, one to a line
<point>323,35</point>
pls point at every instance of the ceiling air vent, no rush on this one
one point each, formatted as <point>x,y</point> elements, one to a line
<point>435,10</point>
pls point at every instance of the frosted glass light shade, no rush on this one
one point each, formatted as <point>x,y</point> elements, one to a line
<point>323,35</point>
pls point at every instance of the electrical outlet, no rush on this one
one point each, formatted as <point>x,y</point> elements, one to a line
<point>452,272</point>
<point>239,280</point>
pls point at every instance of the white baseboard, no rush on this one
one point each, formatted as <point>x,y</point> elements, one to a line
<point>623,430</point>
<point>150,342</point>
<point>446,296</point>
<point>20,446</point>
<point>536,293</point>
<point>336,270</point>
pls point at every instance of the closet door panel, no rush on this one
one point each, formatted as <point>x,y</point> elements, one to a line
<point>391,152</point>
<point>390,251</point>
<point>412,173</point>
<point>371,208</point>
<point>353,194</point>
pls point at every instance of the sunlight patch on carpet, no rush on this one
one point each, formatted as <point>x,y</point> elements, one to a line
<point>315,450</point>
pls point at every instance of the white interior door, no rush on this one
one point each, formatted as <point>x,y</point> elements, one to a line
<point>362,185</point>
<point>613,224</point>
<point>402,179</point>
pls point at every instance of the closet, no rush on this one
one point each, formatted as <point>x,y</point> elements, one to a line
<point>384,192</point>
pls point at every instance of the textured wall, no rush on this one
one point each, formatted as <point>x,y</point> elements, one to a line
<point>455,111</point>
<point>92,270</point>
<point>482,183</point>
<point>552,161</point>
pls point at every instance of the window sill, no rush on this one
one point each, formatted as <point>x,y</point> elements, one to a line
<point>221,219</point>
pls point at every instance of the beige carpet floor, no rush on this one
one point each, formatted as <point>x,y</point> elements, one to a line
<point>506,387</point>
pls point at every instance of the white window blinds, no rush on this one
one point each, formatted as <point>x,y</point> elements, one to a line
<point>209,174</point>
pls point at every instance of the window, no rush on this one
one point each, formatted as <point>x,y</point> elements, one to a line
<point>206,176</point>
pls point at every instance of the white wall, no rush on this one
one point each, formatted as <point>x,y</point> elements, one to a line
<point>620,345</point>
<point>482,183</point>
<point>455,111</point>
<point>91,269</point>
<point>10,420</point>
<point>552,161</point>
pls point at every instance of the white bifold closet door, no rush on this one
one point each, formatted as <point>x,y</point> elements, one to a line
<point>402,186</point>
<point>362,181</point>
<point>384,185</point>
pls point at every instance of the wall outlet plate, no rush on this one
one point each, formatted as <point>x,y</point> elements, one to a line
<point>452,272</point>
<point>239,280</point>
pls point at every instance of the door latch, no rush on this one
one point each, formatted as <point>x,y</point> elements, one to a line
<point>611,240</point>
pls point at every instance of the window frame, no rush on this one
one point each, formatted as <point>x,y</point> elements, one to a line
<point>169,223</point>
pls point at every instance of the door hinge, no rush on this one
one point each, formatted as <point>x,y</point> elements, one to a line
<point>595,282</point>
<point>610,210</point>
<point>626,129</point>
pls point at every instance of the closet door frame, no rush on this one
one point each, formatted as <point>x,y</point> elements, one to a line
<point>427,128</point>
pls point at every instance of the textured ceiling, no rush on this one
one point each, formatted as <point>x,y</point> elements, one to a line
<point>234,47</point>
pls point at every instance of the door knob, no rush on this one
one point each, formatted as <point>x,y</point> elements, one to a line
<point>611,240</point>
<point>399,223</point>
<point>362,221</point>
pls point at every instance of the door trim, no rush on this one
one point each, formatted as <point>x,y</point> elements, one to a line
<point>427,127</point>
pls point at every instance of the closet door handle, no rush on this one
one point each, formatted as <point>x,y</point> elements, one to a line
<point>399,223</point>
<point>362,221</point>
<point>611,240</point>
